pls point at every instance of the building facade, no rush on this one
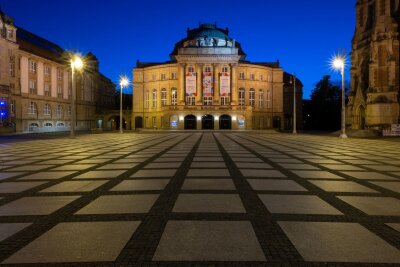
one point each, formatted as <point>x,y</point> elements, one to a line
<point>375,91</point>
<point>208,84</point>
<point>35,84</point>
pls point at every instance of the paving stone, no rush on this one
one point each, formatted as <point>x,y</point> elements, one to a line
<point>100,174</point>
<point>374,205</point>
<point>393,186</point>
<point>31,168</point>
<point>331,242</point>
<point>279,185</point>
<point>297,204</point>
<point>92,241</point>
<point>74,186</point>
<point>163,165</point>
<point>290,166</point>
<point>247,160</point>
<point>135,185</point>
<point>169,159</point>
<point>370,176</point>
<point>208,173</point>
<point>17,187</point>
<point>208,184</point>
<point>384,167</point>
<point>74,167</point>
<point>208,165</point>
<point>262,173</point>
<point>118,166</point>
<point>223,203</point>
<point>345,186</point>
<point>35,205</point>
<point>6,175</point>
<point>395,226</point>
<point>209,241</point>
<point>317,175</point>
<point>154,173</point>
<point>342,167</point>
<point>250,165</point>
<point>120,204</point>
<point>213,159</point>
<point>8,229</point>
<point>47,175</point>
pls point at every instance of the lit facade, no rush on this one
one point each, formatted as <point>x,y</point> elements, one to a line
<point>208,84</point>
<point>35,85</point>
<point>375,89</point>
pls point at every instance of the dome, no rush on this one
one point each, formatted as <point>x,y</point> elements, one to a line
<point>208,30</point>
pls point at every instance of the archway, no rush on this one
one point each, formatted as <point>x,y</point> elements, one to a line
<point>225,122</point>
<point>190,122</point>
<point>207,122</point>
<point>138,122</point>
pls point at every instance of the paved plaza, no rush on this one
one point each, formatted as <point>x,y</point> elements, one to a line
<point>200,199</point>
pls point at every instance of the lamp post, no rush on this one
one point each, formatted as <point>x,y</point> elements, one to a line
<point>123,82</point>
<point>338,63</point>
<point>76,64</point>
<point>294,104</point>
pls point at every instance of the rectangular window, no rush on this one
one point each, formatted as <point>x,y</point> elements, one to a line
<point>47,70</point>
<point>32,66</point>
<point>207,101</point>
<point>154,102</point>
<point>163,76</point>
<point>268,99</point>
<point>60,74</point>
<point>251,98</point>
<point>147,100</point>
<point>251,76</point>
<point>59,91</point>
<point>47,89</point>
<point>241,97</point>
<point>10,34</point>
<point>190,100</point>
<point>174,98</point>
<point>173,76</point>
<point>32,87</point>
<point>225,100</point>
<point>260,99</point>
<point>163,97</point>
<point>241,76</point>
<point>12,67</point>
<point>154,122</point>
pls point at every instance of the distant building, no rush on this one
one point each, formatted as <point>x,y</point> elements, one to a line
<point>208,84</point>
<point>375,90</point>
<point>288,102</point>
<point>35,85</point>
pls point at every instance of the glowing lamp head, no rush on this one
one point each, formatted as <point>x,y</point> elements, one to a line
<point>338,63</point>
<point>77,63</point>
<point>124,81</point>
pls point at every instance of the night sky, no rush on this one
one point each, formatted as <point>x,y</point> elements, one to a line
<point>303,35</point>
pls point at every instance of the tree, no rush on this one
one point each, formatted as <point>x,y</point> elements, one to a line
<point>323,111</point>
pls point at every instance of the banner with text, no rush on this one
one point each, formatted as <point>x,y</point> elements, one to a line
<point>225,84</point>
<point>208,89</point>
<point>191,84</point>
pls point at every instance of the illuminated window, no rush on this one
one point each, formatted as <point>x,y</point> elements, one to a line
<point>32,66</point>
<point>251,98</point>
<point>225,100</point>
<point>174,97</point>
<point>207,101</point>
<point>225,69</point>
<point>32,108</point>
<point>154,102</point>
<point>47,89</point>
<point>163,97</point>
<point>260,98</point>
<point>241,97</point>
<point>47,110</point>
<point>147,99</point>
<point>268,99</point>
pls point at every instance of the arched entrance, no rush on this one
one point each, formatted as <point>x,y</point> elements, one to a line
<point>138,122</point>
<point>225,122</point>
<point>207,122</point>
<point>190,122</point>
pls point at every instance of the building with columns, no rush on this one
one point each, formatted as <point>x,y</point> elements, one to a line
<point>35,85</point>
<point>375,89</point>
<point>208,84</point>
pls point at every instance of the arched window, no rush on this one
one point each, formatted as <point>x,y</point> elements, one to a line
<point>260,98</point>
<point>48,124</point>
<point>154,102</point>
<point>32,108</point>
<point>241,97</point>
<point>225,69</point>
<point>147,99</point>
<point>174,97</point>
<point>251,97</point>
<point>60,124</point>
<point>163,97</point>
<point>59,110</point>
<point>47,109</point>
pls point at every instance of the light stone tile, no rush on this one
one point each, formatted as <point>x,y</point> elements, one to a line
<point>262,173</point>
<point>35,205</point>
<point>31,168</point>
<point>208,173</point>
<point>247,160</point>
<point>170,159</point>
<point>317,175</point>
<point>342,167</point>
<point>74,167</point>
<point>251,165</point>
<point>338,242</point>
<point>208,165</point>
<point>370,176</point>
<point>393,186</point>
<point>9,229</point>
<point>220,203</point>
<point>290,166</point>
<point>17,187</point>
<point>55,161</point>
<point>118,166</point>
<point>374,205</point>
<point>92,242</point>
<point>386,168</point>
<point>323,161</point>
<point>136,185</point>
<point>6,175</point>
<point>163,165</point>
<point>120,204</point>
<point>100,174</point>
<point>285,160</point>
<point>91,161</point>
<point>74,186</point>
<point>342,186</point>
<point>213,159</point>
<point>297,204</point>
<point>47,175</point>
<point>154,173</point>
<point>208,184</point>
<point>278,185</point>
<point>209,241</point>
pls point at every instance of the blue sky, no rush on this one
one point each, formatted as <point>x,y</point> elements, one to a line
<point>302,35</point>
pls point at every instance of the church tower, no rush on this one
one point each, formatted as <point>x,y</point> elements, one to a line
<point>375,91</point>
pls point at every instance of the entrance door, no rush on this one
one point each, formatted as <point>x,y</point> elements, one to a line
<point>138,122</point>
<point>225,122</point>
<point>190,122</point>
<point>207,122</point>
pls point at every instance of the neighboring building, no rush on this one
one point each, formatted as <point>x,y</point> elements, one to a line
<point>35,85</point>
<point>375,90</point>
<point>288,102</point>
<point>208,84</point>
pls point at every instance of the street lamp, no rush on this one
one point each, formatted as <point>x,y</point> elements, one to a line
<point>338,63</point>
<point>123,82</point>
<point>294,104</point>
<point>76,64</point>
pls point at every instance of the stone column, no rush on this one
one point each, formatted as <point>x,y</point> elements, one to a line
<point>199,71</point>
<point>181,90</point>
<point>234,89</point>
<point>216,84</point>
